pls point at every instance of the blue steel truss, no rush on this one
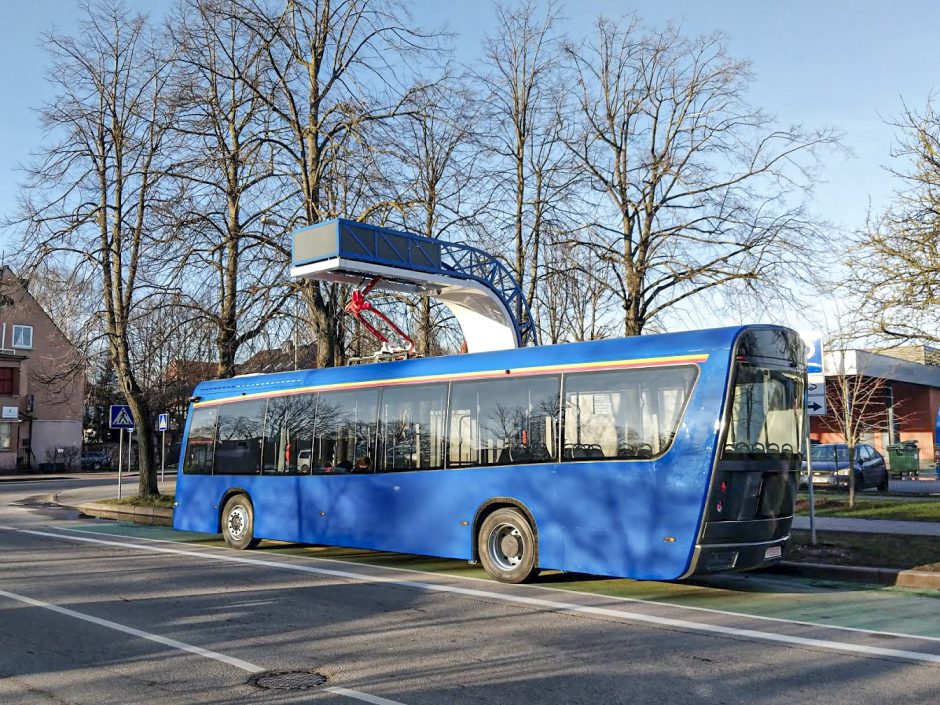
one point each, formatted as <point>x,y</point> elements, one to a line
<point>404,251</point>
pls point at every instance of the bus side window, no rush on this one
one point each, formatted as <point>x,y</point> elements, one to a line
<point>504,422</point>
<point>200,444</point>
<point>344,430</point>
<point>626,414</point>
<point>239,438</point>
<point>412,426</point>
<point>288,434</point>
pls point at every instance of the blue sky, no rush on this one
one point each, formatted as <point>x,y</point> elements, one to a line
<point>837,63</point>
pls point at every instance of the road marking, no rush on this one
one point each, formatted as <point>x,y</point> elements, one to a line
<point>562,591</point>
<point>364,697</point>
<point>236,605</point>
<point>687,625</point>
<point>172,643</point>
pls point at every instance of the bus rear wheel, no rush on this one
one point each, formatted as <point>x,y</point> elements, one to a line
<point>238,523</point>
<point>506,544</point>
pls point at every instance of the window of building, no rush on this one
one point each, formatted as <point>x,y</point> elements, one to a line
<point>23,337</point>
<point>288,434</point>
<point>7,380</point>
<point>200,445</point>
<point>624,414</point>
<point>6,436</point>
<point>239,438</point>
<point>412,427</point>
<point>345,429</point>
<point>504,422</point>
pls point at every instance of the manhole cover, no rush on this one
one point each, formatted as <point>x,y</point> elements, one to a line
<point>287,680</point>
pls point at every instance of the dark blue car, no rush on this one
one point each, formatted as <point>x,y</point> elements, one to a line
<point>831,467</point>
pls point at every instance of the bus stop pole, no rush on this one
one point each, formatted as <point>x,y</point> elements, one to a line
<point>809,479</point>
<point>120,458</point>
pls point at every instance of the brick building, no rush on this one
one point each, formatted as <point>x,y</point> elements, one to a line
<point>42,386</point>
<point>904,405</point>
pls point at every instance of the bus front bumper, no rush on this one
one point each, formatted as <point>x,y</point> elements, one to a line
<point>723,558</point>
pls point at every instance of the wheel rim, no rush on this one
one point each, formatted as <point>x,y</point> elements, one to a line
<point>237,523</point>
<point>506,546</point>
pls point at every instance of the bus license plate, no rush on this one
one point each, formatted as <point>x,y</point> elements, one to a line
<point>773,552</point>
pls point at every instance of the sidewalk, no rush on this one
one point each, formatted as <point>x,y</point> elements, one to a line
<point>870,526</point>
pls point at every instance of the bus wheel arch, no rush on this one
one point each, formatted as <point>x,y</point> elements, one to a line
<point>505,540</point>
<point>236,519</point>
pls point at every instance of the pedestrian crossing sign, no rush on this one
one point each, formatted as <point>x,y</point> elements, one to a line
<point>121,416</point>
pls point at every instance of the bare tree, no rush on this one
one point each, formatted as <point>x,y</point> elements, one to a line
<point>435,150</point>
<point>855,399</point>
<point>331,71</point>
<point>234,279</point>
<point>896,273</point>
<point>693,189</point>
<point>571,307</point>
<point>523,93</point>
<point>95,194</point>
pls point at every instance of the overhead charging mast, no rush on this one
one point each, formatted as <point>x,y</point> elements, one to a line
<point>479,290</point>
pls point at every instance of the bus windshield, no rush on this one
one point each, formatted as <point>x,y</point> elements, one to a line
<point>766,411</point>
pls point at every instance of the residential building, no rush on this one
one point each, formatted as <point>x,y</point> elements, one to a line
<point>42,386</point>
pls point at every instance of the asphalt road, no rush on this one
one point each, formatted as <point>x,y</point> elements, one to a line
<point>98,613</point>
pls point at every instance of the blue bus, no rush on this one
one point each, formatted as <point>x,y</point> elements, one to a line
<point>654,457</point>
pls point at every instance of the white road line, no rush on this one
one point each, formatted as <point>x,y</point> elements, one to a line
<point>562,591</point>
<point>364,697</point>
<point>172,643</point>
<point>523,600</point>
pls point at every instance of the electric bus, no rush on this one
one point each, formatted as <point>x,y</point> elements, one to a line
<point>652,457</point>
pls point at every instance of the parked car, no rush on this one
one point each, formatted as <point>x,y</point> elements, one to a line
<point>94,460</point>
<point>831,467</point>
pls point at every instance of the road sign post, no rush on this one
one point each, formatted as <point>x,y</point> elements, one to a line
<point>815,406</point>
<point>122,419</point>
<point>120,458</point>
<point>162,424</point>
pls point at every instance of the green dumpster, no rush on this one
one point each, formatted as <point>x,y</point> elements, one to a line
<point>904,458</point>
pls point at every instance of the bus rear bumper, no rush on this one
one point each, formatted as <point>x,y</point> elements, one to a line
<point>724,558</point>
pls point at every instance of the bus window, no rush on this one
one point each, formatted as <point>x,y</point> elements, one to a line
<point>239,438</point>
<point>624,414</point>
<point>288,432</point>
<point>411,431</point>
<point>345,431</point>
<point>504,422</point>
<point>200,444</point>
<point>766,414</point>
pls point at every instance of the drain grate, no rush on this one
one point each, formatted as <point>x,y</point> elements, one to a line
<point>287,680</point>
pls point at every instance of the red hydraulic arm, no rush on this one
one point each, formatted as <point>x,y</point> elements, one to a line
<point>359,306</point>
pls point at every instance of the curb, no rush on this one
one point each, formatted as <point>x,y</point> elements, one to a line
<point>153,516</point>
<point>861,574</point>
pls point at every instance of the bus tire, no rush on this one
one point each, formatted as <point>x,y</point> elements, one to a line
<point>507,547</point>
<point>238,523</point>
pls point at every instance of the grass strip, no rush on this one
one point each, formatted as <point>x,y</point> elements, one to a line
<point>857,549</point>
<point>873,509</point>
<point>164,501</point>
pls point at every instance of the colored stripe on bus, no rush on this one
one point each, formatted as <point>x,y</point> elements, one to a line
<point>458,376</point>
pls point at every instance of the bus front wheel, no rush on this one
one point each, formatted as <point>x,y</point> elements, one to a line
<point>238,523</point>
<point>506,544</point>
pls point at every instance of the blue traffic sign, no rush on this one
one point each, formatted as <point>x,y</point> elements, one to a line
<point>814,354</point>
<point>121,416</point>
<point>163,422</point>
